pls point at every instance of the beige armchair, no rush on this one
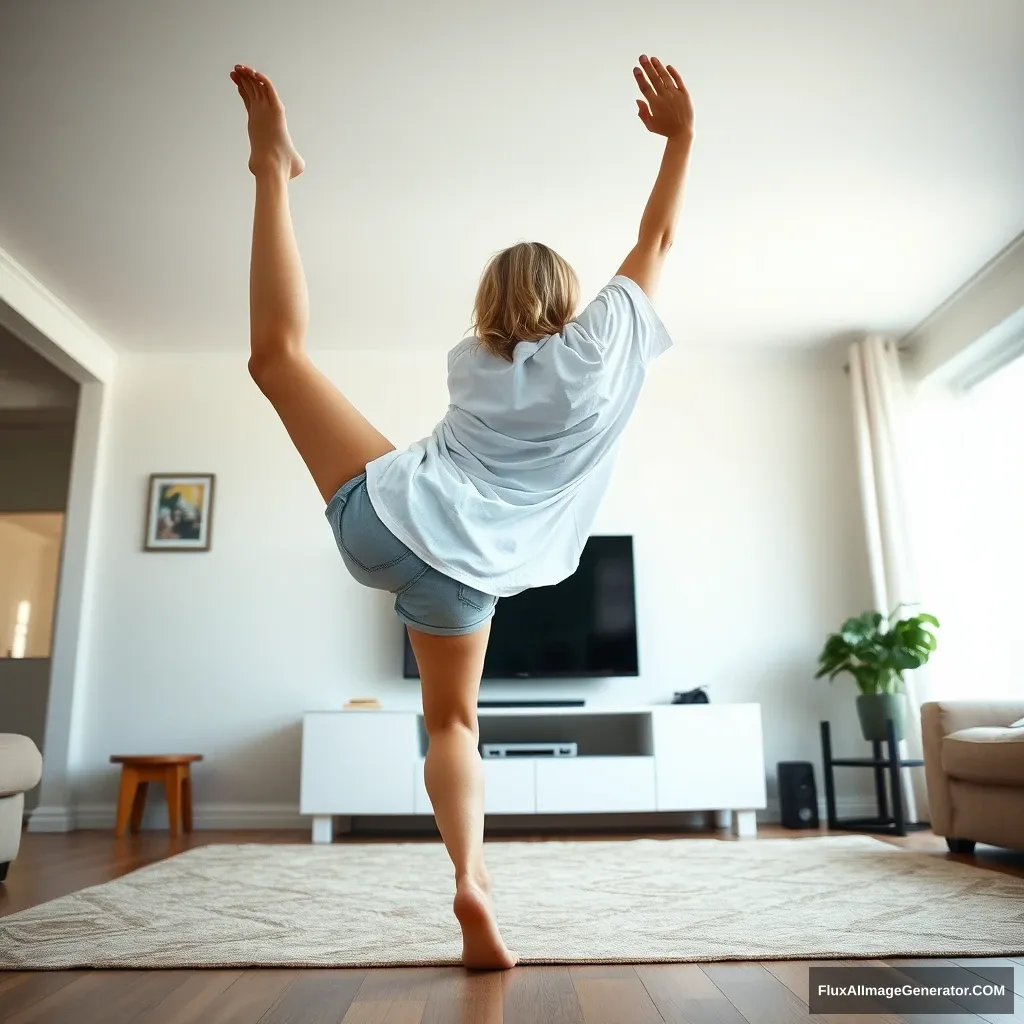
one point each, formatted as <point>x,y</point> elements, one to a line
<point>21,767</point>
<point>974,766</point>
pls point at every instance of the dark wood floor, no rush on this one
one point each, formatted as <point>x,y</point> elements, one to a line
<point>729,993</point>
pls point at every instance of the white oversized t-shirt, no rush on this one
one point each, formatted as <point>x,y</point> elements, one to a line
<point>502,495</point>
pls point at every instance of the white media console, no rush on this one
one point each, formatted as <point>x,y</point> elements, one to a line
<point>687,757</point>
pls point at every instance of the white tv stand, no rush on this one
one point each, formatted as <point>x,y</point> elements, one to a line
<point>689,757</point>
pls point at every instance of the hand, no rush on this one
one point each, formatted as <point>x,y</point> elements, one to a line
<point>667,110</point>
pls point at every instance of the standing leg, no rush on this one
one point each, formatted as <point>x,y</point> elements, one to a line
<point>450,668</point>
<point>723,819</point>
<point>139,805</point>
<point>334,440</point>
<point>125,800</point>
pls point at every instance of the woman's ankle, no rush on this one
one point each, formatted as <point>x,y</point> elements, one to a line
<point>477,877</point>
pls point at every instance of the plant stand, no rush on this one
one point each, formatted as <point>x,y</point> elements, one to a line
<point>886,823</point>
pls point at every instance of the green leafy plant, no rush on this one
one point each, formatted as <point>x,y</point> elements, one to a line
<point>876,650</point>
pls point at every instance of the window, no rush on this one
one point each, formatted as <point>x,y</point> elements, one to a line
<point>969,455</point>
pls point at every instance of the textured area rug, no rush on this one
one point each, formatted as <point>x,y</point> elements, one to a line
<point>640,901</point>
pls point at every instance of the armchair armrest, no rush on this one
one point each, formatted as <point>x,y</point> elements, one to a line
<point>938,720</point>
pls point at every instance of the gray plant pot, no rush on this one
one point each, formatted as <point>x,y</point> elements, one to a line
<point>874,708</point>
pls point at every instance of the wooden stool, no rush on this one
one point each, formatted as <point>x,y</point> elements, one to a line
<point>138,771</point>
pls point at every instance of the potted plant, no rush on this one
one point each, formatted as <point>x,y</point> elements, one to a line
<point>876,651</point>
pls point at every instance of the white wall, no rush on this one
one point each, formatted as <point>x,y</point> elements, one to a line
<point>734,479</point>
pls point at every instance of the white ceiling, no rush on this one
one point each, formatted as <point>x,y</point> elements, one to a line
<point>854,163</point>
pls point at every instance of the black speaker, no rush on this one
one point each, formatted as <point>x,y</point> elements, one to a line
<point>798,796</point>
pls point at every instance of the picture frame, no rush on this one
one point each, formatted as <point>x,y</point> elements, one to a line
<point>179,512</point>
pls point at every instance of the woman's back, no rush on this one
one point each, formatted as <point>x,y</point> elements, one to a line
<point>503,493</point>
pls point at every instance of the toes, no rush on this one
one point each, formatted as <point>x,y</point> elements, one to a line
<point>269,91</point>
<point>245,83</point>
<point>241,92</point>
<point>237,79</point>
<point>251,89</point>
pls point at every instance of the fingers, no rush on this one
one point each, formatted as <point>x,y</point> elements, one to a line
<point>645,86</point>
<point>656,73</point>
<point>677,78</point>
<point>645,114</point>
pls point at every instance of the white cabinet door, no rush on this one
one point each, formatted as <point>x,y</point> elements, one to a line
<point>567,785</point>
<point>709,757</point>
<point>358,762</point>
<point>508,788</point>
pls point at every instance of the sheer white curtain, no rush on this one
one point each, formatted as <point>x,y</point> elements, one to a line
<point>880,427</point>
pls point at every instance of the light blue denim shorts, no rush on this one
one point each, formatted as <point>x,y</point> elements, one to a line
<point>425,599</point>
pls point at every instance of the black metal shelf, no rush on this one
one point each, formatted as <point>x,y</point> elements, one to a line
<point>886,822</point>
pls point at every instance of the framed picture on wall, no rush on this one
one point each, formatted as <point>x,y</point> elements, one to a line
<point>179,512</point>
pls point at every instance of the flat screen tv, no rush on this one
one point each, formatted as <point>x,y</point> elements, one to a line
<point>584,626</point>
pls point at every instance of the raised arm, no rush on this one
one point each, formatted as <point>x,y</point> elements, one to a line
<point>665,110</point>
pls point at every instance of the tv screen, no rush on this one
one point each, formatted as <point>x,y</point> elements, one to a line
<point>583,626</point>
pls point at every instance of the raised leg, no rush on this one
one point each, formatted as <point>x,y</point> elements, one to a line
<point>186,799</point>
<point>322,830</point>
<point>125,800</point>
<point>745,824</point>
<point>450,668</point>
<point>335,441</point>
<point>139,805</point>
<point>172,784</point>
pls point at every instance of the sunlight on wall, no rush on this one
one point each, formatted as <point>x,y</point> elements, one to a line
<point>970,462</point>
<point>30,546</point>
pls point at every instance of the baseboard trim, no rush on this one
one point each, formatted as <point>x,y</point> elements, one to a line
<point>846,807</point>
<point>50,819</point>
<point>283,817</point>
<point>204,817</point>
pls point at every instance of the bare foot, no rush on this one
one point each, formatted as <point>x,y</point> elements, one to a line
<point>272,150</point>
<point>482,945</point>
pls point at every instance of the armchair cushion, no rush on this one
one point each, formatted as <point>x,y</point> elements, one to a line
<point>985,754</point>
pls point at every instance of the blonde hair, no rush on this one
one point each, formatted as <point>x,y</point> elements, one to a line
<point>526,292</point>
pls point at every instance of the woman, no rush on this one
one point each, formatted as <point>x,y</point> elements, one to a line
<point>502,495</point>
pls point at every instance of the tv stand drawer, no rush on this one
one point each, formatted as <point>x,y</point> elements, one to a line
<point>575,785</point>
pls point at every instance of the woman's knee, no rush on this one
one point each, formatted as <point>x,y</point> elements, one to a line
<point>448,721</point>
